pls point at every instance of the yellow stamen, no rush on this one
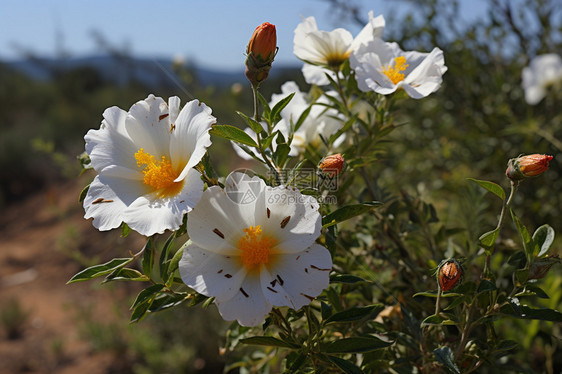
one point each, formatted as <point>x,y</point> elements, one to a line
<point>394,73</point>
<point>160,176</point>
<point>255,247</point>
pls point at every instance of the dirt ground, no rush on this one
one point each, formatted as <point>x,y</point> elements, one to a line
<point>44,240</point>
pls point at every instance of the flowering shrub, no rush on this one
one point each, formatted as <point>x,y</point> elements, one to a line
<point>297,253</point>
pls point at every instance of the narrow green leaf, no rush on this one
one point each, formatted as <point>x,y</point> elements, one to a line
<point>294,363</point>
<point>254,125</point>
<point>490,186</point>
<point>344,365</point>
<point>542,240</point>
<point>345,278</point>
<point>349,211</point>
<point>355,314</point>
<point>412,323</point>
<point>100,270</point>
<point>125,274</point>
<point>486,286</point>
<point>140,311</point>
<point>525,237</point>
<point>146,294</point>
<point>434,294</point>
<point>277,108</point>
<point>445,356</point>
<point>268,341</point>
<point>326,310</point>
<point>433,320</point>
<point>148,257</point>
<point>281,153</point>
<point>164,262</point>
<point>344,128</point>
<point>83,193</point>
<point>355,345</point>
<point>533,291</point>
<point>166,301</point>
<point>302,118</point>
<point>525,312</point>
<point>232,133</point>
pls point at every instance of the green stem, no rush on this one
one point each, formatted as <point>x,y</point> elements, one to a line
<point>256,103</point>
<point>437,300</point>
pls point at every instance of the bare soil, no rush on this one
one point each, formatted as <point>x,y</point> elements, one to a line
<point>44,241</point>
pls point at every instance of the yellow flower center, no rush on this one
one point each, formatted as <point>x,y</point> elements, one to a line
<point>394,73</point>
<point>255,247</point>
<point>335,58</point>
<point>158,175</point>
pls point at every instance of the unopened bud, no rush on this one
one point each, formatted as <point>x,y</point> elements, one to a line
<point>261,51</point>
<point>449,274</point>
<point>332,165</point>
<point>527,166</point>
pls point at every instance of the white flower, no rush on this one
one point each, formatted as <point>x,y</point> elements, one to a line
<point>252,247</point>
<point>543,72</point>
<point>383,67</point>
<point>322,49</point>
<point>145,159</point>
<point>319,122</point>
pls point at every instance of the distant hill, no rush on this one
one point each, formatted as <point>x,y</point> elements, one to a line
<point>155,72</point>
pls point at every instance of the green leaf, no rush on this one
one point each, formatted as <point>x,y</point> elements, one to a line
<point>490,186</point>
<point>146,294</point>
<point>412,323</point>
<point>525,312</point>
<point>83,193</point>
<point>533,291</point>
<point>344,128</point>
<point>140,311</point>
<point>232,133</point>
<point>163,262</point>
<point>444,356</point>
<point>254,125</point>
<point>355,314</point>
<point>125,230</point>
<point>349,211</point>
<point>346,366</point>
<point>488,239</point>
<point>433,320</point>
<point>295,361</point>
<point>281,153</point>
<point>302,117</point>
<point>148,257</point>
<point>434,294</point>
<point>125,274</point>
<point>486,286</point>
<point>355,345</point>
<point>268,341</point>
<point>166,301</point>
<point>542,240</point>
<point>345,278</point>
<point>326,310</point>
<point>276,110</point>
<point>100,270</point>
<point>525,237</point>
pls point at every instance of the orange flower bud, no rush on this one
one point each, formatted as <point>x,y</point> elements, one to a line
<point>527,166</point>
<point>263,43</point>
<point>449,274</point>
<point>261,51</point>
<point>332,165</point>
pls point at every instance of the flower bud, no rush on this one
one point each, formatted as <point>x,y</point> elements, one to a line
<point>449,274</point>
<point>527,166</point>
<point>332,165</point>
<point>261,51</point>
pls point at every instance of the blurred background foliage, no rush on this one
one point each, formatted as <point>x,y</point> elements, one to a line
<point>468,129</point>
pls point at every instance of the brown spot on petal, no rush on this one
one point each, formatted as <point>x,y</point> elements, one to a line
<point>244,292</point>
<point>268,212</point>
<point>320,269</point>
<point>273,282</point>
<point>219,233</point>
<point>172,128</point>
<point>285,221</point>
<point>306,270</point>
<point>281,281</point>
<point>271,289</point>
<point>307,296</point>
<point>228,276</point>
<point>162,116</point>
<point>101,200</point>
<point>220,271</point>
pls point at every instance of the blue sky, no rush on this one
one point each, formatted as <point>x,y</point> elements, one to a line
<point>213,33</point>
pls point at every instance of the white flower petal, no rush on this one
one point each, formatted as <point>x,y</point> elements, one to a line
<point>217,222</point>
<point>190,137</point>
<point>295,279</point>
<point>249,306</point>
<point>151,214</point>
<point>107,199</point>
<point>317,75</point>
<point>111,144</point>
<point>373,29</point>
<point>543,71</point>
<point>211,274</point>
<point>290,217</point>
<point>148,124</point>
